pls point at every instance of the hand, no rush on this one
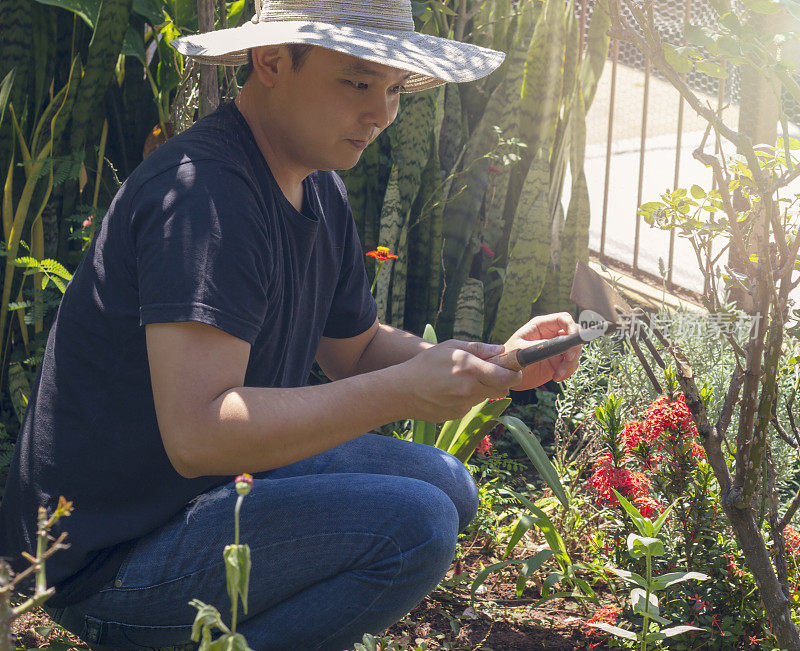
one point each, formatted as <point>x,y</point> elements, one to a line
<point>557,368</point>
<point>447,380</point>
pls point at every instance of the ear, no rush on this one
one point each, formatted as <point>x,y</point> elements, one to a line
<point>267,62</point>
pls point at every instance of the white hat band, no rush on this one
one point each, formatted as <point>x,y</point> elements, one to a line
<point>378,14</point>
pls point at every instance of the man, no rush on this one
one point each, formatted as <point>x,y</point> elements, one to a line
<point>179,357</point>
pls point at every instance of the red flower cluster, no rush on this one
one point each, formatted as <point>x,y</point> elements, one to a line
<point>667,430</point>
<point>628,483</point>
<point>607,615</point>
<point>648,506</point>
<point>667,417</point>
<point>791,541</point>
<point>484,447</point>
<point>733,566</point>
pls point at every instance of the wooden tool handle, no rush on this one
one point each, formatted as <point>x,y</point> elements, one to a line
<point>508,360</point>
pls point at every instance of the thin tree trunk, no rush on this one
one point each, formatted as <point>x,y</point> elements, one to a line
<point>209,81</point>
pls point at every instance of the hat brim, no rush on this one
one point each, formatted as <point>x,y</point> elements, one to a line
<point>432,60</point>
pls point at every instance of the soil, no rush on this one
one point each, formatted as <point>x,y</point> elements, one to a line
<point>499,620</point>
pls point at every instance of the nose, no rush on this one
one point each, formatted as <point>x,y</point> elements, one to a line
<point>381,110</point>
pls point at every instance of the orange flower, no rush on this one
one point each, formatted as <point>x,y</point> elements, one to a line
<point>382,253</point>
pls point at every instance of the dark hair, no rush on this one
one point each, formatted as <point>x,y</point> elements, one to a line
<point>298,51</point>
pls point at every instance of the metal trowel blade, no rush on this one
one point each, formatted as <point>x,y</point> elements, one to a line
<point>590,291</point>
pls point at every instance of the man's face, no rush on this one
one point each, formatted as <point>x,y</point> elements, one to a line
<point>331,108</point>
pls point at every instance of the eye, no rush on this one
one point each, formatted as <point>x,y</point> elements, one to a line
<point>398,89</point>
<point>358,85</point>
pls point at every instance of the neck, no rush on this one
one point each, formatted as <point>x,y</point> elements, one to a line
<point>254,105</point>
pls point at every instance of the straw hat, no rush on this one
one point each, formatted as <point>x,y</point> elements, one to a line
<point>381,31</point>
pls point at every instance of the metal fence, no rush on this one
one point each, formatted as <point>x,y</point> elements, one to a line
<point>640,138</point>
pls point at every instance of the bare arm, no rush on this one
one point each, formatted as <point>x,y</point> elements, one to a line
<point>212,425</point>
<point>379,347</point>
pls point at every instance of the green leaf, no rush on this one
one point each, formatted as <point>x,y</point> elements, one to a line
<point>700,36</point>
<point>476,424</point>
<point>794,143</point>
<point>85,9</point>
<point>549,530</point>
<point>237,572</point>
<point>552,579</point>
<point>730,21</point>
<point>642,607</point>
<point>152,10</point>
<point>537,455</point>
<point>524,523</point>
<point>677,630</point>
<point>486,571</point>
<point>133,45</point>
<point>615,630</point>
<point>207,616</point>
<point>698,192</point>
<point>639,546</point>
<point>663,518</point>
<point>630,577</point>
<point>530,566</point>
<point>429,334</point>
<point>712,69</point>
<point>236,642</point>
<point>5,91</point>
<point>666,580</point>
<point>423,432</point>
<point>681,63</point>
<point>639,521</point>
<point>762,6</point>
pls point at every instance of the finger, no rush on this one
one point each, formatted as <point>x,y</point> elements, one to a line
<point>548,326</point>
<point>479,348</point>
<point>497,377</point>
<point>566,367</point>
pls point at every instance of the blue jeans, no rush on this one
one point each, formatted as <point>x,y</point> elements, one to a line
<point>343,543</point>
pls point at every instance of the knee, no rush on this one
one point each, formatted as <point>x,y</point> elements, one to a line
<point>464,495</point>
<point>434,524</point>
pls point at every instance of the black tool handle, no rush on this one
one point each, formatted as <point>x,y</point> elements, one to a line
<point>549,348</point>
<point>517,359</point>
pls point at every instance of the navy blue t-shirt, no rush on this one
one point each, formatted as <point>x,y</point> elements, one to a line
<point>199,232</point>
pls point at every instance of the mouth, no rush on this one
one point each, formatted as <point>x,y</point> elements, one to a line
<point>359,144</point>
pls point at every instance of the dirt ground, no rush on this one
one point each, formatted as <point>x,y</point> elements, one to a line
<point>445,620</point>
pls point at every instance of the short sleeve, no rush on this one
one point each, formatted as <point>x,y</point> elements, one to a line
<point>202,249</point>
<point>353,309</point>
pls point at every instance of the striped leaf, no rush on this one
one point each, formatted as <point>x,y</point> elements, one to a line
<point>541,101</point>
<point>423,274</point>
<point>460,220</point>
<point>498,189</point>
<point>529,253</point>
<point>594,58</point>
<point>360,182</point>
<point>104,48</point>
<point>468,324</point>
<point>410,148</point>
<point>15,54</point>
<point>451,137</point>
<point>19,388</point>
<point>399,274</point>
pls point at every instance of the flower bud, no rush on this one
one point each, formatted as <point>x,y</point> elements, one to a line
<point>244,484</point>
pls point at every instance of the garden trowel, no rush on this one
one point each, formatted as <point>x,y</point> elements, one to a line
<point>603,311</point>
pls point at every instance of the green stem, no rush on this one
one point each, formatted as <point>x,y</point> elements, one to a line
<point>375,279</point>
<point>646,623</point>
<point>41,548</point>
<point>235,604</point>
<point>236,510</point>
